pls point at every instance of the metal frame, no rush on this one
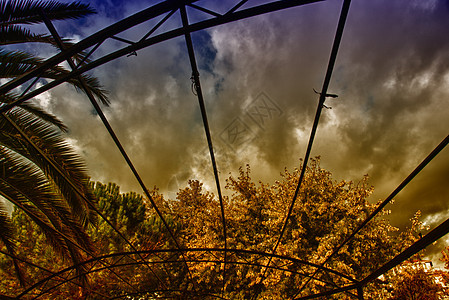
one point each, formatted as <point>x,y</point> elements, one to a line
<point>67,276</point>
<point>162,12</point>
<point>322,99</point>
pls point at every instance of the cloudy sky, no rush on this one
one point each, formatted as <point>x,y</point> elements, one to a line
<point>258,76</point>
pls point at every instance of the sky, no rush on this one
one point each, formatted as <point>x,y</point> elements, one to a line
<point>258,78</point>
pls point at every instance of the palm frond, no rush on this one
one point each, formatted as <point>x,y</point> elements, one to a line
<point>16,63</point>
<point>93,85</point>
<point>57,239</point>
<point>65,240</point>
<point>71,172</point>
<point>39,171</point>
<point>31,187</point>
<point>35,110</point>
<point>44,116</point>
<point>28,12</point>
<point>14,196</point>
<point>15,34</point>
<point>34,195</point>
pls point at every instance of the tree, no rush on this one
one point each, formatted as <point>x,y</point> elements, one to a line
<point>40,172</point>
<point>131,215</point>
<point>416,281</point>
<point>326,212</point>
<point>128,212</point>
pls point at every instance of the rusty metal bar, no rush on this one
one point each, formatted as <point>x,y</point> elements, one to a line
<point>329,293</point>
<point>360,292</point>
<point>159,24</point>
<point>199,94</point>
<point>237,6</point>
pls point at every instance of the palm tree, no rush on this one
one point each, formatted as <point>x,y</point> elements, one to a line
<point>39,171</point>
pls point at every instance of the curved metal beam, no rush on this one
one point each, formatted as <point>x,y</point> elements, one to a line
<point>199,94</point>
<point>203,294</point>
<point>235,251</point>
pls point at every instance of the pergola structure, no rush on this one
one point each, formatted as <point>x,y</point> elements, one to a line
<point>225,256</point>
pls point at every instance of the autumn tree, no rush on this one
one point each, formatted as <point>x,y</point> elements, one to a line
<point>417,279</point>
<point>414,280</point>
<point>326,211</point>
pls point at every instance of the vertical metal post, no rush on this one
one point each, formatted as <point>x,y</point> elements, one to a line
<point>333,57</point>
<point>197,90</point>
<point>360,292</point>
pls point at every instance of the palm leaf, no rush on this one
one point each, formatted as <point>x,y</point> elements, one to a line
<point>53,236</point>
<point>92,84</point>
<point>32,192</point>
<point>28,12</point>
<point>36,111</point>
<point>14,34</point>
<point>34,196</point>
<point>16,63</point>
<point>6,229</point>
<point>57,239</point>
<point>42,176</point>
<point>56,150</point>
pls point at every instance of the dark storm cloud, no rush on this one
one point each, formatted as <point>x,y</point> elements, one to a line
<point>391,75</point>
<point>392,78</point>
<point>395,70</point>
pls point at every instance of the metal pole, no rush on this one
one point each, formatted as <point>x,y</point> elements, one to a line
<point>199,94</point>
<point>360,292</point>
